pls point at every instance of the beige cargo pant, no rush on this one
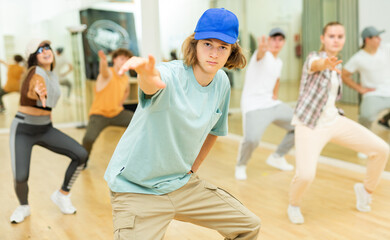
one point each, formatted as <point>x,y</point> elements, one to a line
<point>146,217</point>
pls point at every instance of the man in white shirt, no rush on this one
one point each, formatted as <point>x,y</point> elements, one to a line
<point>260,105</point>
<point>372,62</point>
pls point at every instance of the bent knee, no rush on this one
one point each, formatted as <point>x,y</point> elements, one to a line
<point>366,118</point>
<point>89,140</point>
<point>255,222</point>
<point>80,156</point>
<point>21,180</point>
<point>251,143</point>
<point>383,149</point>
<point>83,156</point>
<point>248,228</point>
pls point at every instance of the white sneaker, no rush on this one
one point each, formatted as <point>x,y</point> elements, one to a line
<point>362,155</point>
<point>241,172</point>
<point>279,163</point>
<point>63,202</point>
<point>295,215</point>
<point>20,213</point>
<point>363,198</point>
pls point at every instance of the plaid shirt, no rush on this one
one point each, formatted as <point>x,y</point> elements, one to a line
<point>313,92</point>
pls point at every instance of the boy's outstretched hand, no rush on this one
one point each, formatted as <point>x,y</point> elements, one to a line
<point>149,77</point>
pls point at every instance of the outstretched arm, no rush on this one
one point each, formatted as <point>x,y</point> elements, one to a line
<point>70,68</point>
<point>326,63</point>
<point>104,72</point>
<point>149,79</point>
<point>347,79</point>
<point>103,65</point>
<point>262,47</point>
<point>3,62</point>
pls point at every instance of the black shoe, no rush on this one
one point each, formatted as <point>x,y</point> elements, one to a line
<point>384,124</point>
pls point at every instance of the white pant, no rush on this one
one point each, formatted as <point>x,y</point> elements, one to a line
<point>370,107</point>
<point>256,122</point>
<point>345,132</point>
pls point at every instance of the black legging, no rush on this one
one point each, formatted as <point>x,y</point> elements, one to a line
<point>23,136</point>
<point>2,93</point>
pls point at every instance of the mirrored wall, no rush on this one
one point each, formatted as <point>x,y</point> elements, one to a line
<point>21,20</point>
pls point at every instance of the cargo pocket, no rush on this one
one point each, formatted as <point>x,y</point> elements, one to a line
<point>226,197</point>
<point>124,226</point>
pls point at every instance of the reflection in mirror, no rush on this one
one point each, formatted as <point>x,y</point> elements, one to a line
<point>256,19</point>
<point>56,23</point>
<point>51,23</point>
<point>78,68</point>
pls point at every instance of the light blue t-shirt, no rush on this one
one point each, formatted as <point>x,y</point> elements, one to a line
<point>167,132</point>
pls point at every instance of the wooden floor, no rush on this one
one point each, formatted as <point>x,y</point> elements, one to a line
<point>329,205</point>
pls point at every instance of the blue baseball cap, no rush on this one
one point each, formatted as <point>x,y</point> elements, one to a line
<point>217,23</point>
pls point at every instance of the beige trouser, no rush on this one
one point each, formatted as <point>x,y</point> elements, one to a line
<point>345,132</point>
<point>146,217</point>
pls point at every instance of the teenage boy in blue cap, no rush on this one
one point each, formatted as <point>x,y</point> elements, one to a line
<point>183,107</point>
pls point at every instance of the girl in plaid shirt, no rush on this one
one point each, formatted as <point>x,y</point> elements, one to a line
<point>317,121</point>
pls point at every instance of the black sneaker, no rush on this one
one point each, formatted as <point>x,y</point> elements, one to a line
<point>384,124</point>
